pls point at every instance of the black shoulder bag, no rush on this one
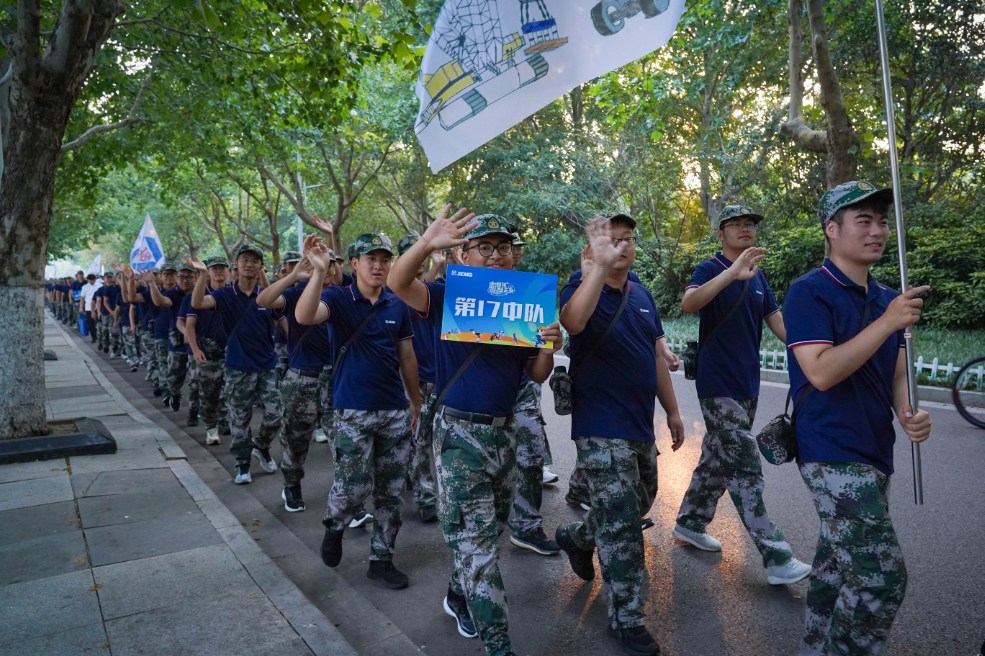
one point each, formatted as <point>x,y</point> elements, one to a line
<point>344,349</point>
<point>562,381</point>
<point>777,440</point>
<point>690,356</point>
<point>429,407</point>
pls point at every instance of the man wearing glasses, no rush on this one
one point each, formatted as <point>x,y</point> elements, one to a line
<point>733,298</point>
<point>177,352</point>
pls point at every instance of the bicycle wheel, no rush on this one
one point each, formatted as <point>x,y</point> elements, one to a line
<point>969,397</point>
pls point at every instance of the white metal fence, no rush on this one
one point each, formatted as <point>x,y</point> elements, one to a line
<point>776,359</point>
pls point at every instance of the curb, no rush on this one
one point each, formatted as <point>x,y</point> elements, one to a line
<point>317,632</point>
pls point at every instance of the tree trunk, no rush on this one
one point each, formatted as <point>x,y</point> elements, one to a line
<point>36,130</point>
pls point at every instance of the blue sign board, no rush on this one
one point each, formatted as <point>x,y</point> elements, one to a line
<point>492,306</point>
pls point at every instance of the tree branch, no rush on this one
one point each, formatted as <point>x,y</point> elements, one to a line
<point>813,140</point>
<point>107,127</point>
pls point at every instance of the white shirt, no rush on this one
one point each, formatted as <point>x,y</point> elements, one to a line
<point>88,290</point>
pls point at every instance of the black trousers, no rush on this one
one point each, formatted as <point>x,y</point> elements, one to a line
<point>91,325</point>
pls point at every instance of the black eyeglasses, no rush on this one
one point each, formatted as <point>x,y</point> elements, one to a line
<point>486,249</point>
<point>627,240</point>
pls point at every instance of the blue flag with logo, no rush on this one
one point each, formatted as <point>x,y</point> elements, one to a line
<point>147,252</point>
<point>492,306</point>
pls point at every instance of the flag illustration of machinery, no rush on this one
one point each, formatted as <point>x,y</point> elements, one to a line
<point>486,65</point>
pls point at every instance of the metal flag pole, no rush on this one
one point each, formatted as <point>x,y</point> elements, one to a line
<point>911,379</point>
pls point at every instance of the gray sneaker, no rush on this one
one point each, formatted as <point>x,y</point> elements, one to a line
<point>267,463</point>
<point>702,540</point>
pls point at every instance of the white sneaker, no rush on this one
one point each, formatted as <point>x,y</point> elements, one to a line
<point>320,436</point>
<point>792,572</point>
<point>267,463</point>
<point>702,541</point>
<point>112,355</point>
<point>243,475</point>
<point>359,519</point>
<point>212,436</point>
<point>550,478</point>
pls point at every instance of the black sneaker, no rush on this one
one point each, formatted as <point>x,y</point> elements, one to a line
<point>166,400</point>
<point>175,402</point>
<point>577,502</point>
<point>428,515</point>
<point>647,523</point>
<point>157,391</point>
<point>455,606</point>
<point>537,542</point>
<point>384,572</point>
<point>331,548</point>
<point>133,368</point>
<point>224,428</point>
<point>580,560</point>
<point>192,418</point>
<point>636,641</point>
<point>292,499</point>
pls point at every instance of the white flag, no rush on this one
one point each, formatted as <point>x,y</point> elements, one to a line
<point>147,252</point>
<point>492,63</point>
<point>94,268</point>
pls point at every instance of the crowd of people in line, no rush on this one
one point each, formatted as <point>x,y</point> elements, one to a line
<point>355,360</point>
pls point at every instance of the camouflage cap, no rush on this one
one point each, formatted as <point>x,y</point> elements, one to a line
<point>733,212</point>
<point>250,248</point>
<point>156,270</point>
<point>369,242</point>
<point>291,256</point>
<point>517,241</point>
<point>182,266</point>
<point>405,243</point>
<point>108,272</point>
<point>489,224</point>
<point>218,260</point>
<point>849,193</point>
<point>350,252</point>
<point>168,266</point>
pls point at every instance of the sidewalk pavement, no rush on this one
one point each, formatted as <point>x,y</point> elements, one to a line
<point>132,553</point>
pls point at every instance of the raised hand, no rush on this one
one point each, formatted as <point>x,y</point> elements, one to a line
<point>196,263</point>
<point>604,253</point>
<point>587,263</point>
<point>744,267</point>
<point>439,258</point>
<point>323,225</point>
<point>552,333</point>
<point>447,232</point>
<point>317,253</point>
<point>303,269</point>
<point>147,276</point>
<point>456,256</point>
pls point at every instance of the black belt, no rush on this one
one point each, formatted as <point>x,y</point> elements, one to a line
<point>476,417</point>
<point>307,373</point>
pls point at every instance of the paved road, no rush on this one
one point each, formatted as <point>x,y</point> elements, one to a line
<point>698,603</point>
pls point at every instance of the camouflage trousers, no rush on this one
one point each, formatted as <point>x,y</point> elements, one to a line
<point>242,389</point>
<point>102,333</point>
<point>161,350</point>
<point>149,350</point>
<point>730,461</point>
<point>282,359</point>
<point>112,336</point>
<point>859,579</point>
<point>531,447</point>
<point>421,476</point>
<point>178,365</point>
<point>372,455</point>
<point>578,484</point>
<point>130,344</point>
<point>476,482</point>
<point>302,397</point>
<point>622,484</point>
<point>211,406</point>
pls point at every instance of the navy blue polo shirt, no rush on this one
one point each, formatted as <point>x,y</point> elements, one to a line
<point>852,421</point>
<point>347,279</point>
<point>728,365</point>
<point>576,277</point>
<point>186,310</point>
<point>97,299</point>
<point>424,337</point>
<point>250,346</point>
<point>208,323</point>
<point>124,314</point>
<point>615,390</point>
<point>162,318</point>
<point>491,383</point>
<point>145,309</point>
<point>176,296</point>
<point>369,376</point>
<point>113,296</point>
<point>308,347</point>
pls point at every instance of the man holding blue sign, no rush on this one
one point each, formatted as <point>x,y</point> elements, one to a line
<point>474,427</point>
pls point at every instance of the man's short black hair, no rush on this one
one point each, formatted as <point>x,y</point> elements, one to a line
<point>91,276</point>
<point>624,219</point>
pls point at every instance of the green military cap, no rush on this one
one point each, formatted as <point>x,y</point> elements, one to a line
<point>517,241</point>
<point>218,260</point>
<point>850,193</point>
<point>156,270</point>
<point>404,244</point>
<point>351,251</point>
<point>232,267</point>
<point>338,258</point>
<point>109,272</point>
<point>168,267</point>
<point>291,256</point>
<point>183,266</point>
<point>369,242</point>
<point>489,224</point>
<point>734,212</point>
<point>250,248</point>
